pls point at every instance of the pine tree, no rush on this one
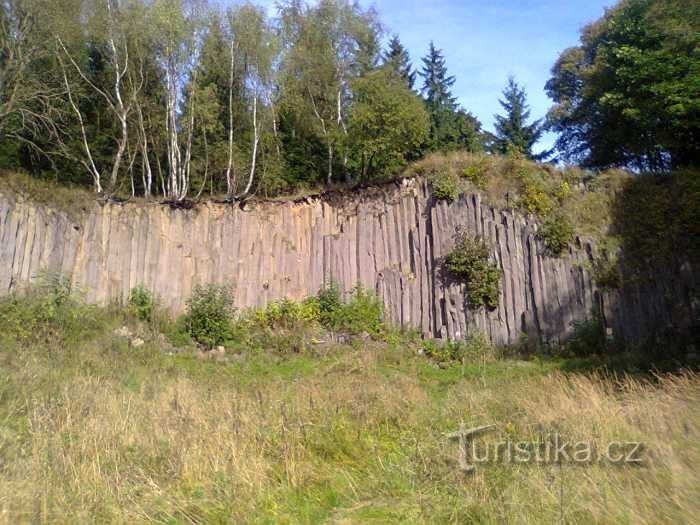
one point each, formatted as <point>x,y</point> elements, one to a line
<point>397,58</point>
<point>513,134</point>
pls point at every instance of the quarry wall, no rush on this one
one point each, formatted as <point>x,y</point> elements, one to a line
<point>389,239</point>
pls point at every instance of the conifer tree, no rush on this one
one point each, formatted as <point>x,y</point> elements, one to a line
<point>513,133</point>
<point>436,82</point>
<point>398,59</point>
<point>451,127</point>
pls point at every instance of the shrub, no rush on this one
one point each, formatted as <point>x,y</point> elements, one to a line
<point>287,315</point>
<point>445,186</point>
<point>588,337</point>
<point>364,312</point>
<point>606,272</point>
<point>330,304</point>
<point>469,261</point>
<point>209,318</point>
<point>49,312</point>
<point>556,233</point>
<point>534,197</point>
<point>142,304</point>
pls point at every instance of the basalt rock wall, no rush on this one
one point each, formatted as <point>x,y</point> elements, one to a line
<point>389,239</point>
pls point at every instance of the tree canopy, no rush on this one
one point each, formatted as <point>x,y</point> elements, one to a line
<point>629,94</point>
<point>180,98</point>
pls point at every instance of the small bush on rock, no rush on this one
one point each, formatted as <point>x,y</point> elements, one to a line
<point>445,186</point>
<point>534,197</point>
<point>470,262</point>
<point>556,234</point>
<point>476,174</point>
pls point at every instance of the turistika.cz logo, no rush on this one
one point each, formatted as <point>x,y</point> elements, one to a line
<point>551,449</point>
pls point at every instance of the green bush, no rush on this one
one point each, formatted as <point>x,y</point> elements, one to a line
<point>588,338</point>
<point>536,194</point>
<point>445,186</point>
<point>286,314</point>
<point>142,304</point>
<point>606,272</point>
<point>330,305</point>
<point>556,233</point>
<point>209,317</point>
<point>363,312</point>
<point>470,262</point>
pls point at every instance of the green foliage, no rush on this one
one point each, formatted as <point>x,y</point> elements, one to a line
<point>363,312</point>
<point>476,174</point>
<point>629,94</point>
<point>657,219</point>
<point>287,315</point>
<point>474,348</point>
<point>142,304</point>
<point>534,195</point>
<point>209,317</point>
<point>606,272</point>
<point>49,312</point>
<point>330,304</point>
<point>556,233</point>
<point>398,59</point>
<point>450,126</point>
<point>388,123</point>
<point>470,262</point>
<point>588,338</point>
<point>445,185</point>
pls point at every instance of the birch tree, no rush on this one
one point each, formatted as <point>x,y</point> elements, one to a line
<point>176,24</point>
<point>255,42</point>
<point>107,29</point>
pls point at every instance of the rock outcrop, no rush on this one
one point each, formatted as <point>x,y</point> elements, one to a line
<point>389,239</point>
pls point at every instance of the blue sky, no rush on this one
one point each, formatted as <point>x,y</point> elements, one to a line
<point>486,41</point>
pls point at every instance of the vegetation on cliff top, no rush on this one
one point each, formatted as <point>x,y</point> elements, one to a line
<point>180,98</point>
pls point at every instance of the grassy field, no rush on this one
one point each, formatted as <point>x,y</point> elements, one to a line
<point>97,428</point>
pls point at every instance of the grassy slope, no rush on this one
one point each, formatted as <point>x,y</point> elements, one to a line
<point>94,430</point>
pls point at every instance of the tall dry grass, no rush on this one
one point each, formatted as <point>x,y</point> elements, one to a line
<point>104,433</point>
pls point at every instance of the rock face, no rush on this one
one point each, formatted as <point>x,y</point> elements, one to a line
<point>387,239</point>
